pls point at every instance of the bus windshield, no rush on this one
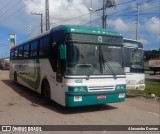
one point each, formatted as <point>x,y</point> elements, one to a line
<point>85,59</point>
<point>133,57</point>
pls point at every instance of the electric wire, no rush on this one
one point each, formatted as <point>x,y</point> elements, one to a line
<point>11,8</point>
<point>4,6</point>
<point>15,12</point>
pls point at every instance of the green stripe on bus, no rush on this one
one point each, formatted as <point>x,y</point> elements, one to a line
<point>27,77</point>
<point>92,100</point>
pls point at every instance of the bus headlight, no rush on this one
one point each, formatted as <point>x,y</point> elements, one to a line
<point>120,87</point>
<point>77,89</point>
<point>140,82</point>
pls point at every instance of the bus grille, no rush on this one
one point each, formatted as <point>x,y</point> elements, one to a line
<point>101,88</point>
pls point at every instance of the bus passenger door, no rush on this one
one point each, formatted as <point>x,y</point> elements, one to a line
<point>61,63</point>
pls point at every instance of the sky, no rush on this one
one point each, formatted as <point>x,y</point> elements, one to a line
<point>16,18</point>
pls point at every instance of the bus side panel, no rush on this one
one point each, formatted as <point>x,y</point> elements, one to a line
<point>31,73</point>
<point>57,89</point>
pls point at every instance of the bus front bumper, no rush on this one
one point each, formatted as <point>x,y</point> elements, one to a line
<point>135,87</point>
<point>94,98</point>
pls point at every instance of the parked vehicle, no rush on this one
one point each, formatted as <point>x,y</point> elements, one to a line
<point>72,65</point>
<point>4,64</point>
<point>134,64</point>
<point>154,64</point>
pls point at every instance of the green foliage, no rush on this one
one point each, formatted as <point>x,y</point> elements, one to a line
<point>152,88</point>
<point>151,54</point>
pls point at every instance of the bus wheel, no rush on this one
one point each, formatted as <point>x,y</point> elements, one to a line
<point>15,77</point>
<point>46,91</point>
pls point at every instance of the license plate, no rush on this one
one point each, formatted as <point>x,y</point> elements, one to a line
<point>121,95</point>
<point>77,98</point>
<point>101,97</point>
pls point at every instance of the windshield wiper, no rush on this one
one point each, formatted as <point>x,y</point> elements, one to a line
<point>88,75</point>
<point>109,66</point>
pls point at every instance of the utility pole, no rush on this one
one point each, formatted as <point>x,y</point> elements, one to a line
<point>47,16</point>
<point>41,20</point>
<point>137,24</point>
<point>104,17</point>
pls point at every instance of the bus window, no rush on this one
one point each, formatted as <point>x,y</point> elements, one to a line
<point>26,51</point>
<point>12,54</point>
<point>34,46</point>
<point>16,53</point>
<point>20,52</point>
<point>44,46</point>
<point>58,36</point>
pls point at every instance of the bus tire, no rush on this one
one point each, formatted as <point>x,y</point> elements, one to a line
<point>15,77</point>
<point>45,91</point>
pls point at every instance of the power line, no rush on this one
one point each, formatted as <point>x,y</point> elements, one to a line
<point>73,18</point>
<point>125,2</point>
<point>6,4</point>
<point>11,8</point>
<point>124,10</point>
<point>149,8</point>
<point>15,12</point>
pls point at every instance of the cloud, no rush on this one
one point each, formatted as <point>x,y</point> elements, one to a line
<point>62,10</point>
<point>122,25</point>
<point>144,41</point>
<point>153,26</point>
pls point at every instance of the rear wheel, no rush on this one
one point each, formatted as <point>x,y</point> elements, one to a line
<point>46,91</point>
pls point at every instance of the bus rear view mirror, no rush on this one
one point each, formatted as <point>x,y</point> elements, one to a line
<point>62,49</point>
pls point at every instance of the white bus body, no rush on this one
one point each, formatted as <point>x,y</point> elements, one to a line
<point>57,76</point>
<point>134,64</point>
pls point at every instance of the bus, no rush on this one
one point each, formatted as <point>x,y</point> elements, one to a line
<point>134,64</point>
<point>72,65</point>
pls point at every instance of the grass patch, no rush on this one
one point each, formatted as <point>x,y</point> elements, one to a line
<point>146,68</point>
<point>150,88</point>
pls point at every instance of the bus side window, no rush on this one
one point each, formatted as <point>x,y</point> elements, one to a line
<point>44,46</point>
<point>15,53</point>
<point>34,46</point>
<point>20,52</point>
<point>12,54</point>
<point>26,51</point>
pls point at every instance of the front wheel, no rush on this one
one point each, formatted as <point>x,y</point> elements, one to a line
<point>46,91</point>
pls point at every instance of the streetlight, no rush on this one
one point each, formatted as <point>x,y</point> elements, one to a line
<point>90,9</point>
<point>41,20</point>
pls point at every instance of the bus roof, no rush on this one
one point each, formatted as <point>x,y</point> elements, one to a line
<point>132,40</point>
<point>85,29</point>
<point>75,29</point>
<point>132,43</point>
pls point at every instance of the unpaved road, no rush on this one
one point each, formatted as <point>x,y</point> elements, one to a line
<point>21,106</point>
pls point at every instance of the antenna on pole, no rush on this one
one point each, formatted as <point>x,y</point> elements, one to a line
<point>47,16</point>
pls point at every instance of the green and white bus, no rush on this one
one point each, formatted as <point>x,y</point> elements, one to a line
<point>72,65</point>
